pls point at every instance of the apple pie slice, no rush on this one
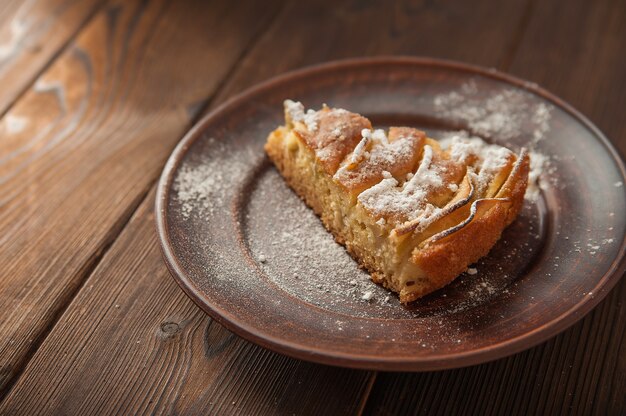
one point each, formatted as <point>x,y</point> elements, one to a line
<point>413,213</point>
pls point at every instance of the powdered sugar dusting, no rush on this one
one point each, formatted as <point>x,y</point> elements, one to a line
<point>408,200</point>
<point>489,158</point>
<point>201,187</point>
<point>295,112</point>
<point>494,158</point>
<point>427,174</point>
<point>462,147</point>
<point>538,162</point>
<point>506,113</point>
<point>377,154</point>
<point>359,151</point>
<point>197,187</point>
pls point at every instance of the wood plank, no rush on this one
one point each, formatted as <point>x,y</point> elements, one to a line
<point>583,370</point>
<point>94,132</point>
<point>128,375</point>
<point>583,62</point>
<point>581,59</point>
<point>569,374</point>
<point>31,34</point>
<point>128,346</point>
<point>316,31</point>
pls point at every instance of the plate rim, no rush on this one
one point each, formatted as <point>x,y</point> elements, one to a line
<point>487,353</point>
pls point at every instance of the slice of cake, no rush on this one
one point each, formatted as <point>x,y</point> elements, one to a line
<point>413,213</point>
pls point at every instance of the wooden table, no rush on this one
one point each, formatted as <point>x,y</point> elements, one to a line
<point>95,94</point>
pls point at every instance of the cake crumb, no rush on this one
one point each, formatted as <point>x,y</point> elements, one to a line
<point>369,295</point>
<point>472,271</point>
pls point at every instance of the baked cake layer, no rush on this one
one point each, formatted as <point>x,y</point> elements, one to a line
<point>413,213</point>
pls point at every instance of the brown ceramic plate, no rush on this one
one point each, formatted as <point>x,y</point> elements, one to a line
<point>250,254</point>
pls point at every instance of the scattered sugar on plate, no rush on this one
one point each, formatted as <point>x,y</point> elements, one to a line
<point>539,163</point>
<point>369,295</point>
<point>505,113</point>
<point>201,185</point>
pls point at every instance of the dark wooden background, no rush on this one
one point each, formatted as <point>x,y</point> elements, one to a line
<point>95,94</point>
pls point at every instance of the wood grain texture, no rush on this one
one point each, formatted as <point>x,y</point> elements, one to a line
<point>300,35</point>
<point>31,34</point>
<point>581,59</point>
<point>105,371</point>
<point>132,343</point>
<point>80,150</point>
<point>566,375</point>
<point>583,370</point>
<point>316,31</point>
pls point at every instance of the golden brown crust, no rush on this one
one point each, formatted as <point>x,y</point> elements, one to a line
<point>515,186</point>
<point>451,172</point>
<point>336,134</point>
<point>443,260</point>
<point>398,158</point>
<point>450,215</point>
